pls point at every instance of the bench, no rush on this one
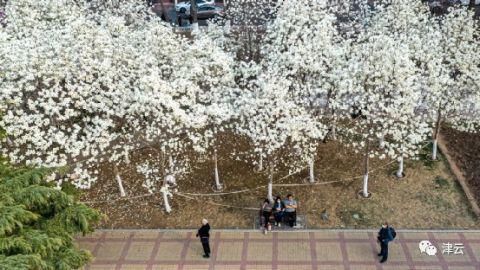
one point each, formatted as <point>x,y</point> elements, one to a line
<point>301,223</point>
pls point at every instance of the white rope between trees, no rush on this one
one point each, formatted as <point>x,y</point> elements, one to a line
<point>187,195</point>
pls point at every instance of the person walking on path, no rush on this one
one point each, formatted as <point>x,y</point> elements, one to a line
<point>204,234</point>
<point>385,235</point>
<point>291,210</point>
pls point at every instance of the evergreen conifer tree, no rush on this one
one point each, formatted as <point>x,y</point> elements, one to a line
<point>38,222</point>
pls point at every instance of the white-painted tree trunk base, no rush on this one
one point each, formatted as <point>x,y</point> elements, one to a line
<point>382,142</point>
<point>218,185</point>
<point>120,185</point>
<point>194,28</point>
<point>334,132</point>
<point>171,165</point>
<point>260,163</point>
<point>270,192</point>
<point>399,173</point>
<point>365,193</point>
<point>311,174</point>
<point>168,208</point>
<point>435,149</point>
<point>127,157</point>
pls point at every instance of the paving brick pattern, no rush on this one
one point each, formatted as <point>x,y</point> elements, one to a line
<point>318,250</point>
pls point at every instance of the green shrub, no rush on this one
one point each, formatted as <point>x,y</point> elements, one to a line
<point>38,223</point>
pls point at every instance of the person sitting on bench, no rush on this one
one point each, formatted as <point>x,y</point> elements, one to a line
<point>278,210</point>
<point>291,210</point>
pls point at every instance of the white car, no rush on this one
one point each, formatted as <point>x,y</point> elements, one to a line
<point>185,6</point>
<point>465,2</point>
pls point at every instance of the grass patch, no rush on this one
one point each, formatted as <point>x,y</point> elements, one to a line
<point>412,202</point>
<point>434,201</point>
<point>355,218</point>
<point>441,182</point>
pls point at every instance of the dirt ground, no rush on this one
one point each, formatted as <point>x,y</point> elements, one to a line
<point>465,148</point>
<point>428,197</point>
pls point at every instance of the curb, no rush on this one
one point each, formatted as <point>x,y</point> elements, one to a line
<point>297,231</point>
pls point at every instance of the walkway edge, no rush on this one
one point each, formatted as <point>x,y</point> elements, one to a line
<point>459,175</point>
<point>298,231</point>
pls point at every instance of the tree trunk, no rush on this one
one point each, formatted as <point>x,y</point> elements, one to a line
<point>127,157</point>
<point>260,163</point>
<point>382,141</point>
<point>365,186</point>
<point>311,174</point>
<point>119,181</point>
<point>365,176</point>
<point>471,4</point>
<point>165,194</point>
<point>334,132</point>
<point>218,185</point>
<point>270,185</point>
<point>435,147</point>
<point>171,165</point>
<point>193,14</point>
<point>435,135</point>
<point>400,167</point>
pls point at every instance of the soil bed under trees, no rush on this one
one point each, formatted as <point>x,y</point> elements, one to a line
<point>428,197</point>
<point>465,149</point>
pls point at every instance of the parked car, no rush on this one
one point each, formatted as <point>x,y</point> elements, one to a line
<point>184,7</point>
<point>463,2</point>
<point>206,12</point>
<point>440,7</point>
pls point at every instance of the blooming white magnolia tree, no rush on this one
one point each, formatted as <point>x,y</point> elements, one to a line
<point>245,23</point>
<point>381,81</point>
<point>85,82</point>
<point>67,90</point>
<point>212,109</point>
<point>274,124</point>
<point>110,83</point>
<point>441,49</point>
<point>452,74</point>
<point>409,23</point>
<point>304,49</point>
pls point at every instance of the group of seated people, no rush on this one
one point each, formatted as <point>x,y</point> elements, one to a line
<point>282,211</point>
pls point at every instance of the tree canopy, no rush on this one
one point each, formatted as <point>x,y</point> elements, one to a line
<point>87,82</point>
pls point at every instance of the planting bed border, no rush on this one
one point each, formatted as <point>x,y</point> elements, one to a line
<point>459,174</point>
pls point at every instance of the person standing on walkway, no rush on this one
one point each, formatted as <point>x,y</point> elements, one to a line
<point>385,235</point>
<point>204,234</point>
<point>266,212</point>
<point>291,210</point>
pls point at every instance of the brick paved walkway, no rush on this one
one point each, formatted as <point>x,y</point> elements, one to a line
<point>319,250</point>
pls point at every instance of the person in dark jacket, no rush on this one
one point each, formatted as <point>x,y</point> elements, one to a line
<point>384,236</point>
<point>278,210</point>
<point>204,234</point>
